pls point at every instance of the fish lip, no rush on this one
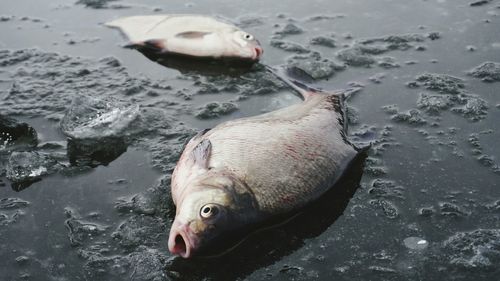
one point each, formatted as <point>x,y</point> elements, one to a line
<point>258,51</point>
<point>185,233</point>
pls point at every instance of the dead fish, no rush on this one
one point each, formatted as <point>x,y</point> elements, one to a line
<point>190,35</point>
<point>249,170</point>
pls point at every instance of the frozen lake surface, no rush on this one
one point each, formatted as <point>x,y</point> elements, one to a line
<point>90,132</point>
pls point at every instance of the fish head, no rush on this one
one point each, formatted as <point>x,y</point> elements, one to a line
<point>245,45</point>
<point>210,215</point>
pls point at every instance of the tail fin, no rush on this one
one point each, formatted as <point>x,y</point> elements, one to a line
<point>283,74</point>
<point>287,75</point>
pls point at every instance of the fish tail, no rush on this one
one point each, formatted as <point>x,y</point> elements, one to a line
<point>349,92</point>
<point>284,74</point>
<point>363,148</point>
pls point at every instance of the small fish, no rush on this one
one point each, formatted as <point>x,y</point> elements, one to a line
<point>190,35</point>
<point>247,171</point>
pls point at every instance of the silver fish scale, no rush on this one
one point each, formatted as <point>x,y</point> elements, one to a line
<point>287,157</point>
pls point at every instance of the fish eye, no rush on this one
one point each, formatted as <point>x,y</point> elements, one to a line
<point>248,37</point>
<point>208,211</point>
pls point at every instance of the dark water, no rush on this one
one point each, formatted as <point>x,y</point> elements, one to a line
<point>426,205</point>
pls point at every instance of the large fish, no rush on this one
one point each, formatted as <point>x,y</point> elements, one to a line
<point>190,35</point>
<point>247,171</point>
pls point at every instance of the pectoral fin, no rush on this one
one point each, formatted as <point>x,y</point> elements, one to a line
<point>201,154</point>
<point>192,34</point>
<point>157,45</point>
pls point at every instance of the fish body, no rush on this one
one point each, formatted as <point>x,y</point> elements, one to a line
<point>190,35</point>
<point>249,170</point>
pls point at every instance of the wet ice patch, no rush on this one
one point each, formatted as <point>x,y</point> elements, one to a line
<point>133,249</point>
<point>355,56</point>
<point>365,52</point>
<point>415,243</point>
<point>140,230</point>
<point>434,104</point>
<point>324,41</point>
<point>377,78</point>
<point>7,218</point>
<point>80,231</point>
<point>387,208</point>
<point>471,107</point>
<point>315,66</point>
<point>258,82</point>
<point>325,17</point>
<point>141,265</point>
<point>47,83</point>
<point>452,96</point>
<point>476,250</point>
<point>246,21</point>
<point>216,109</point>
<point>100,4</point>
<point>387,62</point>
<point>442,83</point>
<point>139,204</point>
<point>477,150</point>
<point>289,46</point>
<point>479,3</point>
<point>104,108</point>
<point>449,209</point>
<point>288,29</point>
<point>487,71</point>
<point>12,203</point>
<point>373,166</point>
<point>385,189</point>
<point>378,139</point>
<point>411,117</point>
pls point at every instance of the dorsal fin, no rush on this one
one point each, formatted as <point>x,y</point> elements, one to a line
<point>192,34</point>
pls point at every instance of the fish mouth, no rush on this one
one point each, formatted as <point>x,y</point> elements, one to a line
<point>180,241</point>
<point>258,51</point>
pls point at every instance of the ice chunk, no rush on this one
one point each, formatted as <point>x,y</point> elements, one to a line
<point>30,166</point>
<point>15,135</point>
<point>91,118</point>
<point>98,130</point>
